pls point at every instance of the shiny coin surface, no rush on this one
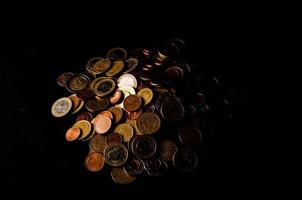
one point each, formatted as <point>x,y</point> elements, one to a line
<point>134,167</point>
<point>116,155</point>
<point>116,97</point>
<point>120,176</point>
<point>127,80</point>
<point>63,78</point>
<point>146,94</point>
<point>94,162</point>
<point>102,124</point>
<point>190,135</point>
<point>144,147</point>
<point>185,160</point>
<point>72,134</point>
<point>130,64</point>
<point>148,123</point>
<point>85,127</point>
<point>107,114</point>
<point>98,143</point>
<point>117,113</point>
<point>77,83</point>
<point>167,150</point>
<point>61,107</point>
<point>104,87</point>
<point>117,54</point>
<point>84,116</point>
<point>116,68</point>
<point>125,130</point>
<point>132,103</point>
<point>114,138</point>
<point>97,104</point>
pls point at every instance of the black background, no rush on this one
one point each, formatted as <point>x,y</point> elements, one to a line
<point>33,149</point>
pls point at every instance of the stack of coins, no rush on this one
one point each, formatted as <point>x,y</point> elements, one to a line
<point>132,113</point>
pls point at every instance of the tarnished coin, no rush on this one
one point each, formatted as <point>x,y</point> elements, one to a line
<point>134,115</point>
<point>125,130</point>
<point>72,134</point>
<point>84,116</point>
<point>102,124</point>
<point>132,103</point>
<point>172,110</point>
<point>116,155</point>
<point>148,123</point>
<point>116,68</point>
<point>94,162</point>
<point>104,87</point>
<point>130,64</point>
<point>167,150</point>
<point>85,127</point>
<point>144,147</point>
<point>134,167</point>
<point>63,78</point>
<point>61,107</point>
<point>98,65</point>
<point>146,94</point>
<point>98,143</point>
<point>117,113</point>
<point>174,72</point>
<point>116,97</point>
<point>97,104</point>
<point>117,54</point>
<point>85,94</point>
<point>77,83</point>
<point>185,160</point>
<point>114,138</point>
<point>120,176</point>
<point>127,80</point>
<point>190,135</point>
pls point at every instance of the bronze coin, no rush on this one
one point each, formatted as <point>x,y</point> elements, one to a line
<point>84,116</point>
<point>185,160</point>
<point>132,103</point>
<point>114,138</point>
<point>97,104</point>
<point>94,162</point>
<point>85,94</point>
<point>190,135</point>
<point>148,123</point>
<point>117,113</point>
<point>107,113</point>
<point>116,97</point>
<point>73,134</point>
<point>63,78</point>
<point>117,54</point>
<point>102,124</point>
<point>144,147</point>
<point>98,143</point>
<point>167,150</point>
<point>77,83</point>
<point>134,115</point>
<point>115,155</point>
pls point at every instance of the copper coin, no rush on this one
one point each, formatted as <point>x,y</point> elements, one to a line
<point>185,160</point>
<point>167,150</point>
<point>84,116</point>
<point>116,97</point>
<point>148,123</point>
<point>85,94</point>
<point>115,155</point>
<point>75,101</point>
<point>94,162</point>
<point>107,114</point>
<point>63,78</point>
<point>117,113</point>
<point>134,115</point>
<point>102,124</point>
<point>77,83</point>
<point>98,143</point>
<point>144,147</point>
<point>190,135</point>
<point>132,103</point>
<point>73,134</point>
<point>114,138</point>
<point>117,54</point>
<point>97,104</point>
<point>174,72</point>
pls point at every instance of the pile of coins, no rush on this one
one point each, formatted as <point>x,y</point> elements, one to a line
<point>127,108</point>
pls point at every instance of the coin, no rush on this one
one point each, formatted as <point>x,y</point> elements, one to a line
<point>127,89</point>
<point>120,176</point>
<point>125,130</point>
<point>132,103</point>
<point>127,80</point>
<point>133,124</point>
<point>153,167</point>
<point>79,107</point>
<point>85,94</point>
<point>102,124</point>
<point>146,94</point>
<point>190,135</point>
<point>98,65</point>
<point>185,160</point>
<point>116,97</point>
<point>77,83</point>
<point>96,81</point>
<point>97,104</point>
<point>130,64</point>
<point>94,162</point>
<point>107,113</point>
<point>84,116</point>
<point>134,167</point>
<point>104,87</point>
<point>172,110</point>
<point>85,127</point>
<point>63,78</point>
<point>144,147</point>
<point>98,143</point>
<point>115,155</point>
<point>75,101</point>
<point>167,150</point>
<point>61,107</point>
<point>117,113</point>
<point>134,115</point>
<point>117,54</point>
<point>90,135</point>
<point>148,123</point>
<point>73,134</point>
<point>89,75</point>
<point>114,138</point>
<point>116,68</point>
<point>174,72</point>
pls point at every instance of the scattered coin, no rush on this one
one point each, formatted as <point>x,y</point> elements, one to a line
<point>84,116</point>
<point>114,138</point>
<point>116,68</point>
<point>104,87</point>
<point>144,147</point>
<point>73,134</point>
<point>98,143</point>
<point>94,162</point>
<point>185,160</point>
<point>61,107</point>
<point>102,124</point>
<point>77,83</point>
<point>146,94</point>
<point>85,127</point>
<point>120,176</point>
<point>127,80</point>
<point>117,54</point>
<point>63,78</point>
<point>132,103</point>
<point>148,123</point>
<point>117,114</point>
<point>167,150</point>
<point>116,155</point>
<point>125,130</point>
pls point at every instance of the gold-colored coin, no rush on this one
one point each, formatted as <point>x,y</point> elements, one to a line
<point>77,83</point>
<point>132,123</point>
<point>116,68</point>
<point>125,130</point>
<point>90,135</point>
<point>85,127</point>
<point>120,176</point>
<point>146,94</point>
<point>81,104</point>
<point>95,81</point>
<point>148,123</point>
<point>61,107</point>
<point>104,87</point>
<point>117,114</point>
<point>98,143</point>
<point>98,65</point>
